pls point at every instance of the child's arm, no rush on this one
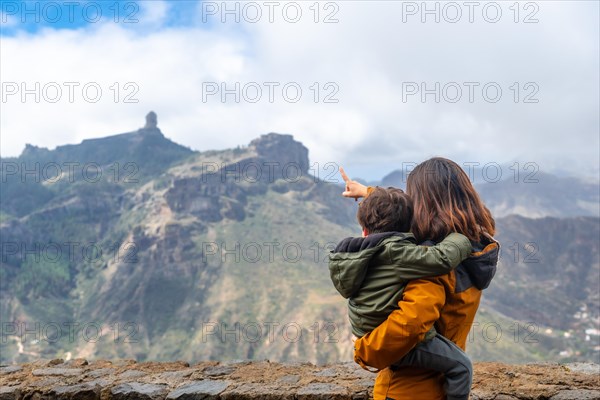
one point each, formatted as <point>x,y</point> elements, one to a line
<point>416,262</point>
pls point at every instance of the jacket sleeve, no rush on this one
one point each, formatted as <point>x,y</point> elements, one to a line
<point>415,262</point>
<point>405,327</point>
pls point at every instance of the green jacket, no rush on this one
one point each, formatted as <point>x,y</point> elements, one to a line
<point>372,272</point>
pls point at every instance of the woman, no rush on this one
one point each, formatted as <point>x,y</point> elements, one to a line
<point>444,201</point>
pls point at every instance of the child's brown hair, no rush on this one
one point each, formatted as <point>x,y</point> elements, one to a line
<point>385,210</point>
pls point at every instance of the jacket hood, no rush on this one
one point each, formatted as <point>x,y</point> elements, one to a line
<point>480,266</point>
<point>349,262</point>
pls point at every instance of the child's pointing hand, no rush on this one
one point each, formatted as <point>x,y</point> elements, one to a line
<point>353,189</point>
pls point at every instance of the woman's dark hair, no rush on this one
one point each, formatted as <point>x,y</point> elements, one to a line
<point>445,201</point>
<point>385,210</point>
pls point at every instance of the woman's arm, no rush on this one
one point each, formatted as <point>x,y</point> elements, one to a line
<point>405,327</point>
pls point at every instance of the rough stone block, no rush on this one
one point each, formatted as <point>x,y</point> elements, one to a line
<point>58,371</point>
<point>199,390</point>
<point>139,391</point>
<point>578,394</point>
<point>323,391</point>
<point>10,369</point>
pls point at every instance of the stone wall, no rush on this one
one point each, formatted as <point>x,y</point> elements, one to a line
<point>127,380</point>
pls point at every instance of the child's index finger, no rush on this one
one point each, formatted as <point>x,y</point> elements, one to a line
<point>344,176</point>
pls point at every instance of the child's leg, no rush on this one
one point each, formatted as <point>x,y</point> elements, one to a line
<point>441,354</point>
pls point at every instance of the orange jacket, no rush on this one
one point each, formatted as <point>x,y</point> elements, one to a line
<point>450,302</point>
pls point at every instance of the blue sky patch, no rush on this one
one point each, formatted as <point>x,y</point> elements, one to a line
<point>33,16</point>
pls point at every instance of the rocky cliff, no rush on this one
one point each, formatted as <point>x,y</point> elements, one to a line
<point>128,380</point>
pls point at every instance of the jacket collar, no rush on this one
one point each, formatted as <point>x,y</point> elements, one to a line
<point>356,244</point>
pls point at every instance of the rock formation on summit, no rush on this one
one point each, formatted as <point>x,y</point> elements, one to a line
<point>151,120</point>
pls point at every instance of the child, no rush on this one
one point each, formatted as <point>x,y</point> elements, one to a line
<point>372,272</point>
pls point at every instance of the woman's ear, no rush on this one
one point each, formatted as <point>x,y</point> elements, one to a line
<point>365,233</point>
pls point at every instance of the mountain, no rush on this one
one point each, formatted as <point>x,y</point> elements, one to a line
<point>544,196</point>
<point>203,240</point>
<point>527,192</point>
<point>126,158</point>
<point>547,283</point>
<point>223,255</point>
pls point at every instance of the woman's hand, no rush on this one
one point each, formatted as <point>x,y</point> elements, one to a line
<point>353,189</point>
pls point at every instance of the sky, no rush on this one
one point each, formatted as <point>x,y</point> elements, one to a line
<point>370,85</point>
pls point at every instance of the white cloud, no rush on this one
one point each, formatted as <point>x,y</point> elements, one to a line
<point>153,13</point>
<point>367,55</point>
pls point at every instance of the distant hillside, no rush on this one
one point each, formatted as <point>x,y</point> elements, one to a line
<point>548,282</point>
<point>222,255</point>
<point>547,196</point>
<point>531,193</point>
